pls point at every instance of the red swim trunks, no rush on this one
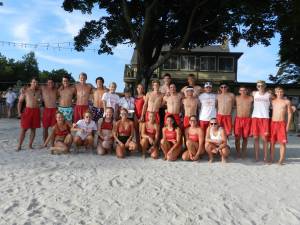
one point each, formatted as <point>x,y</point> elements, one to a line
<point>176,117</point>
<point>48,119</point>
<point>242,127</point>
<point>278,132</point>
<point>204,125</point>
<point>31,118</point>
<point>186,122</point>
<point>260,127</point>
<point>225,121</point>
<point>79,110</point>
<point>157,119</point>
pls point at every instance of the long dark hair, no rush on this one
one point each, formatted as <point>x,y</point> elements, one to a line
<point>175,125</point>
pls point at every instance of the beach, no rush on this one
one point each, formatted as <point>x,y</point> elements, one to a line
<point>39,188</point>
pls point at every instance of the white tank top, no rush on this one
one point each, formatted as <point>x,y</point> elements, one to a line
<point>217,137</point>
<point>208,106</point>
<point>261,105</point>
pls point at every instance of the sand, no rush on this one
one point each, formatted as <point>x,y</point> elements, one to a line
<point>39,188</point>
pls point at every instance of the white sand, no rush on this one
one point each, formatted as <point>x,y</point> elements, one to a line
<point>39,188</point>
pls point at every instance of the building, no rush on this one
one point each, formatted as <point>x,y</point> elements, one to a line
<point>215,63</point>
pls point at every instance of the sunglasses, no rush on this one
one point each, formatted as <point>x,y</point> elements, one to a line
<point>213,123</point>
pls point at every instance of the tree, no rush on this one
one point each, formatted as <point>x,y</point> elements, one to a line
<point>56,75</point>
<point>287,73</point>
<point>151,24</point>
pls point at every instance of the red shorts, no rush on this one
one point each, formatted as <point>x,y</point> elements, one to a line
<point>31,118</point>
<point>48,119</point>
<point>225,121</point>
<point>79,110</point>
<point>242,127</point>
<point>260,127</point>
<point>176,117</point>
<point>186,122</point>
<point>157,118</point>
<point>278,132</point>
<point>204,125</point>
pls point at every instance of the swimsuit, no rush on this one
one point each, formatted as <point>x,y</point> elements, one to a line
<point>67,112</point>
<point>97,113</point>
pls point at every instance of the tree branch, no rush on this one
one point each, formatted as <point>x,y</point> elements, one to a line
<point>128,21</point>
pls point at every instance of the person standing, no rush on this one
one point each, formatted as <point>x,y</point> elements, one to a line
<point>225,103</point>
<point>10,97</point>
<point>49,96</point>
<point>111,99</point>
<point>260,124</point>
<point>242,122</point>
<point>165,88</point>
<point>96,108</point>
<point>190,105</point>
<point>192,82</point>
<point>30,117</point>
<point>127,102</point>
<point>279,125</point>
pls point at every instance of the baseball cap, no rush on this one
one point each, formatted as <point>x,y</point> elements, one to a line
<point>207,84</point>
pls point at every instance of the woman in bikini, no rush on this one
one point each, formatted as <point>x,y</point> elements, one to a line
<point>123,134</point>
<point>216,141</point>
<point>171,141</point>
<point>105,132</point>
<point>139,101</point>
<point>194,137</point>
<point>60,137</point>
<point>150,137</point>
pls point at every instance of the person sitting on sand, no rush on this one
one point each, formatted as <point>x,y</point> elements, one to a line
<point>123,134</point>
<point>150,137</point>
<point>85,128</point>
<point>194,136</point>
<point>105,132</point>
<point>171,141</point>
<point>216,141</point>
<point>60,137</point>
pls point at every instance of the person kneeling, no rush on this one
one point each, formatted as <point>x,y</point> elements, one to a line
<point>60,137</point>
<point>171,141</point>
<point>123,134</point>
<point>216,141</point>
<point>85,128</point>
<point>149,137</point>
<point>195,141</point>
<point>105,132</point>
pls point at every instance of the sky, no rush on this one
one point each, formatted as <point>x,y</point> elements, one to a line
<point>45,21</point>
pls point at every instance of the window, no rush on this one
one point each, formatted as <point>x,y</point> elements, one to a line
<point>208,63</point>
<point>187,63</point>
<point>226,64</point>
<point>171,63</point>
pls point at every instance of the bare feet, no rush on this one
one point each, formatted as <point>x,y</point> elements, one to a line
<point>18,148</point>
<point>211,160</point>
<point>31,147</point>
<point>280,162</point>
<point>224,160</point>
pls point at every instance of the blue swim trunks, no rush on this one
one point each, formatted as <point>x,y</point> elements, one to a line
<point>67,112</point>
<point>97,113</point>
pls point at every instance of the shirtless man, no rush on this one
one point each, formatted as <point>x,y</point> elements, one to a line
<point>97,109</point>
<point>153,102</point>
<point>165,88</point>
<point>279,127</point>
<point>242,122</point>
<point>260,124</point>
<point>66,94</point>
<point>192,82</point>
<point>49,96</point>
<point>83,92</point>
<point>208,102</point>
<point>30,118</point>
<point>225,103</point>
<point>190,105</point>
<point>173,103</point>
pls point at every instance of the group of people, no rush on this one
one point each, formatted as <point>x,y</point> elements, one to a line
<point>188,123</point>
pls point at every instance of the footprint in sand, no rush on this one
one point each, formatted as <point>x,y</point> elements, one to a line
<point>33,204</point>
<point>11,208</point>
<point>126,182</point>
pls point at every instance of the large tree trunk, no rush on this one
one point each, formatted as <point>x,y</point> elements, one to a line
<point>144,71</point>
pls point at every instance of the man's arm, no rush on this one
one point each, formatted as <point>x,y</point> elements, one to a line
<point>290,113</point>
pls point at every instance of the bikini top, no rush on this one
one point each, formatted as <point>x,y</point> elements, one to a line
<point>106,125</point>
<point>64,132</point>
<point>193,137</point>
<point>123,131</point>
<point>171,135</point>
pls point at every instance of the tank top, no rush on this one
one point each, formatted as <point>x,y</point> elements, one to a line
<point>64,132</point>
<point>217,137</point>
<point>171,135</point>
<point>106,125</point>
<point>123,131</point>
<point>150,131</point>
<point>261,105</point>
<point>208,106</point>
<point>193,137</point>
<point>138,106</point>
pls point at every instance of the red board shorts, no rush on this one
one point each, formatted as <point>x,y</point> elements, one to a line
<point>31,118</point>
<point>48,119</point>
<point>260,127</point>
<point>157,118</point>
<point>176,117</point>
<point>278,132</point>
<point>79,110</point>
<point>225,121</point>
<point>204,125</point>
<point>242,127</point>
<point>186,122</point>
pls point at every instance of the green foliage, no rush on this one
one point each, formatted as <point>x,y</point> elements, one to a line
<point>287,73</point>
